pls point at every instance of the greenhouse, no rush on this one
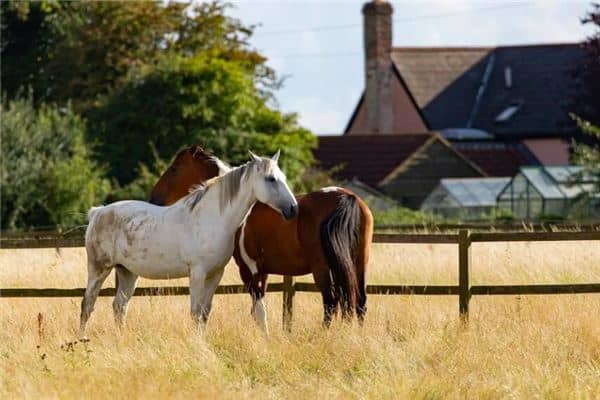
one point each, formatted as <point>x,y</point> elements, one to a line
<point>466,198</point>
<point>537,192</point>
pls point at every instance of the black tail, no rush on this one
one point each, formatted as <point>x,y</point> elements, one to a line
<point>339,237</point>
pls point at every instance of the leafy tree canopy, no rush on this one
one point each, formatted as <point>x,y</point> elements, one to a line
<point>79,51</point>
<point>150,75</point>
<point>200,99</point>
<point>588,156</point>
<point>587,101</point>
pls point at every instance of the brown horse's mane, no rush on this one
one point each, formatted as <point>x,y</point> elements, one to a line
<point>196,151</point>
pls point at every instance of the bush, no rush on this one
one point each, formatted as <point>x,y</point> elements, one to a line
<point>402,215</point>
<point>48,177</point>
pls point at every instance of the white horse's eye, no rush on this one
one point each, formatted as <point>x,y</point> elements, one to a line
<point>270,178</point>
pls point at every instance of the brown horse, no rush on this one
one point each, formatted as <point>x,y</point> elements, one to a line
<point>330,238</point>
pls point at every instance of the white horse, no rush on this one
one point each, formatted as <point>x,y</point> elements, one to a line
<point>193,237</point>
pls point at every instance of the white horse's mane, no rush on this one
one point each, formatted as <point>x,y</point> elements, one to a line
<point>229,186</point>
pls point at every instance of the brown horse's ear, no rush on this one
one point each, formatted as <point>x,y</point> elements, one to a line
<point>254,156</point>
<point>276,156</point>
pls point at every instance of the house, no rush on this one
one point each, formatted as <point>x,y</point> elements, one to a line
<point>465,198</point>
<point>556,192</point>
<point>509,93</point>
<point>499,109</point>
<point>405,167</point>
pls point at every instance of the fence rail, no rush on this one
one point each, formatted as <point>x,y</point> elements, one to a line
<point>464,290</point>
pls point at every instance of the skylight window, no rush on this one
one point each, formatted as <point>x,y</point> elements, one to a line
<point>508,112</point>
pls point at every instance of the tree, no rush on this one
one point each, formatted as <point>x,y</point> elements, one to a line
<point>183,100</point>
<point>150,75</point>
<point>25,37</point>
<point>587,101</point>
<point>81,51</point>
<point>588,156</point>
<point>48,177</point>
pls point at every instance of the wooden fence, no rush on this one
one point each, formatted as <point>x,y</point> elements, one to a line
<point>464,290</point>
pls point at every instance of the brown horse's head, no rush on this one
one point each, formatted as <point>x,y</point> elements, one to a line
<point>191,167</point>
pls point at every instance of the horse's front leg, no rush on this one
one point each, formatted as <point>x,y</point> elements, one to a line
<point>211,283</point>
<point>197,291</point>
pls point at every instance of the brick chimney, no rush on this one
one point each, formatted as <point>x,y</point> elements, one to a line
<point>378,66</point>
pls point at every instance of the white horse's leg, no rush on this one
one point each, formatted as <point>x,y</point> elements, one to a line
<point>211,284</point>
<point>96,277</point>
<point>127,281</point>
<point>197,288</point>
<point>259,312</point>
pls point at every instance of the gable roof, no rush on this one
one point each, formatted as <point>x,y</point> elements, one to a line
<point>374,159</point>
<point>396,75</point>
<point>497,158</point>
<point>445,82</point>
<point>370,158</point>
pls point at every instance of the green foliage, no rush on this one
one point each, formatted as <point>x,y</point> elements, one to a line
<point>402,215</point>
<point>84,50</point>
<point>146,177</point>
<point>143,75</point>
<point>588,156</point>
<point>47,174</point>
<point>26,37</point>
<point>185,100</point>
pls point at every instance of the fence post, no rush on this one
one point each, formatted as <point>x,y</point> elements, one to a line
<point>289,291</point>
<point>464,272</point>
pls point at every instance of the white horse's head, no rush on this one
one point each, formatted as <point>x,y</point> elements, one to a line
<point>270,187</point>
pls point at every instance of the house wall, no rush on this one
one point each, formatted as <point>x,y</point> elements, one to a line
<point>423,173</point>
<point>550,151</point>
<point>406,117</point>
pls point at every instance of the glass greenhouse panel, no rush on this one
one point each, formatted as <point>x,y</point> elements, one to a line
<point>555,207</point>
<point>543,183</point>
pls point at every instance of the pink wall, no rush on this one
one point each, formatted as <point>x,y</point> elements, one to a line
<point>406,117</point>
<point>549,151</point>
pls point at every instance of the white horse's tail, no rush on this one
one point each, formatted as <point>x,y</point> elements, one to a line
<point>91,216</point>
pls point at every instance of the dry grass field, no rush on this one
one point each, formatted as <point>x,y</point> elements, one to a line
<point>410,347</point>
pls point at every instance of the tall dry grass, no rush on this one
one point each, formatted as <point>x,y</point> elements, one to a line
<point>410,346</point>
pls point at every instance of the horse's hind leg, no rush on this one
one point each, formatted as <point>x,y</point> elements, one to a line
<point>96,277</point>
<point>126,286</point>
<point>361,304</point>
<point>361,261</point>
<point>330,301</point>
<point>257,287</point>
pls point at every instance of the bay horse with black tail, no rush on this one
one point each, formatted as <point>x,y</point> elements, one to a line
<point>330,238</point>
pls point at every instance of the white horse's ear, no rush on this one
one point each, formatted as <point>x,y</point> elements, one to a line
<point>254,156</point>
<point>276,156</point>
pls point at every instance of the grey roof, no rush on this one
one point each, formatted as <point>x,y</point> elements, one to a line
<point>445,83</point>
<point>474,192</point>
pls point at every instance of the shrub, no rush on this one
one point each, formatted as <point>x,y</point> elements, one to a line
<point>48,177</point>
